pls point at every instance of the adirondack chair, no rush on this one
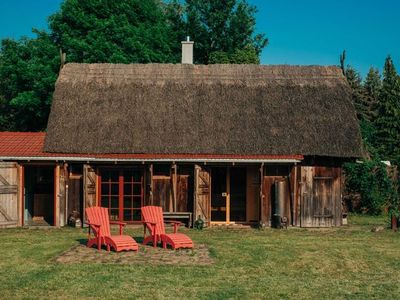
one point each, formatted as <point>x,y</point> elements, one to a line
<point>153,220</point>
<point>99,221</point>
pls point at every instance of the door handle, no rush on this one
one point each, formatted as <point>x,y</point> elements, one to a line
<point>224,194</point>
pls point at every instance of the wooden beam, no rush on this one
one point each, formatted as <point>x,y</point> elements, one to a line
<point>262,197</point>
<point>56,195</point>
<point>228,195</point>
<point>174,185</point>
<point>21,202</point>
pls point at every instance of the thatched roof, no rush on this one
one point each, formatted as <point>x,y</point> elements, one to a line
<point>214,109</point>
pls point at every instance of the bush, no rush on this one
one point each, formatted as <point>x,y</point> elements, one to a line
<point>371,180</point>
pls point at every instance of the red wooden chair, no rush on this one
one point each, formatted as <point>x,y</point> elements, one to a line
<point>154,221</point>
<point>98,220</point>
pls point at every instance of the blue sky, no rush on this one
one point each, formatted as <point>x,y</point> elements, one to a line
<point>300,32</point>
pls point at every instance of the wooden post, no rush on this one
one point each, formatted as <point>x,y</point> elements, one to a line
<point>195,191</point>
<point>228,195</point>
<point>174,185</point>
<point>56,195</point>
<point>263,220</point>
<point>151,184</point>
<point>21,195</point>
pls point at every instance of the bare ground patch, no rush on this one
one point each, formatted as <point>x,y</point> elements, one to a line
<point>200,255</point>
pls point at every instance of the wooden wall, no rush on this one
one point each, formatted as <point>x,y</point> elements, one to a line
<point>321,201</point>
<point>253,194</point>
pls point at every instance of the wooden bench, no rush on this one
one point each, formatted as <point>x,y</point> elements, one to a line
<point>184,217</point>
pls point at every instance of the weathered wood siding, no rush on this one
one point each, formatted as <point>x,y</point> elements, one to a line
<point>162,193</point>
<point>74,195</point>
<point>321,204</point>
<point>202,194</point>
<point>8,194</point>
<point>253,194</point>
<point>89,188</point>
<point>182,194</point>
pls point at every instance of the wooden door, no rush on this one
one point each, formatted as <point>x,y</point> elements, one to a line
<point>202,194</point>
<point>320,197</point>
<point>8,194</point>
<point>89,188</point>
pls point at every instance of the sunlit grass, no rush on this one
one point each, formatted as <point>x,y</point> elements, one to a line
<point>347,262</point>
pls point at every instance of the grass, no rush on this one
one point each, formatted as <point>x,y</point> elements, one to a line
<point>341,263</point>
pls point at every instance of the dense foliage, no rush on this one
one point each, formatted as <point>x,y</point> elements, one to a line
<point>126,31</point>
<point>377,101</point>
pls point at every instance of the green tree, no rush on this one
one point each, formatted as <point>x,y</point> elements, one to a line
<point>220,27</point>
<point>133,31</point>
<point>28,70</point>
<point>372,87</point>
<point>388,119</point>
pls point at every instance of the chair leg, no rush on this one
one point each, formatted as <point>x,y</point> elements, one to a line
<point>164,245</point>
<point>108,247</point>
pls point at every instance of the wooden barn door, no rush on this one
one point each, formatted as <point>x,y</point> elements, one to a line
<point>320,197</point>
<point>202,194</point>
<point>89,188</point>
<point>8,194</point>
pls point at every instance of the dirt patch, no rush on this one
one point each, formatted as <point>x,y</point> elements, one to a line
<point>145,255</point>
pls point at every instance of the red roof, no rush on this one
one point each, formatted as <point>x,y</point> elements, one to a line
<point>30,144</point>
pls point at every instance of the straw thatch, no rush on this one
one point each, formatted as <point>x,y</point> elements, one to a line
<point>214,109</point>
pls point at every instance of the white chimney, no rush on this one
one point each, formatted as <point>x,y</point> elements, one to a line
<point>187,51</point>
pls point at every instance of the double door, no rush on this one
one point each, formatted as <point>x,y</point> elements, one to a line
<point>121,191</point>
<point>228,194</point>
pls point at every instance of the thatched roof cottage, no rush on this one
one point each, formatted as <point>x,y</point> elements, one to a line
<point>242,144</point>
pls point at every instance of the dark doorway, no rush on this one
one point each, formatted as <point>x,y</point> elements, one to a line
<point>218,194</point>
<point>39,195</point>
<point>238,194</point>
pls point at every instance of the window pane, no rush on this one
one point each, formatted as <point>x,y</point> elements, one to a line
<point>114,202</point>
<point>127,215</point>
<point>104,201</point>
<point>127,189</point>
<point>136,216</point>
<point>105,189</point>
<point>137,202</point>
<point>137,189</point>
<point>114,215</point>
<point>114,189</point>
<point>127,202</point>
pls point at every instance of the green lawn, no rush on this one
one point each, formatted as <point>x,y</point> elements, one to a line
<point>343,263</point>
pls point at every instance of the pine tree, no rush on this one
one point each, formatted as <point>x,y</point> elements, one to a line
<point>355,81</point>
<point>372,87</point>
<point>388,119</point>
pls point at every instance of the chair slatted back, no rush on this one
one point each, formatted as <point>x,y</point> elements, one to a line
<point>154,214</point>
<point>99,215</point>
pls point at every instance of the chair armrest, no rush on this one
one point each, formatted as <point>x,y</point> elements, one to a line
<point>121,225</point>
<point>93,224</point>
<point>174,222</point>
<point>118,223</point>
<point>176,225</point>
<point>152,225</point>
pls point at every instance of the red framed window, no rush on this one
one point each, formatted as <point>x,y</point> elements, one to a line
<point>121,191</point>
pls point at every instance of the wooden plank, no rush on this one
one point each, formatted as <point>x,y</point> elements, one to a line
<point>9,213</point>
<point>56,196</point>
<point>9,189</point>
<point>202,194</point>
<point>228,195</point>
<point>174,177</point>
<point>90,185</point>
<point>252,194</point>
<point>182,193</point>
